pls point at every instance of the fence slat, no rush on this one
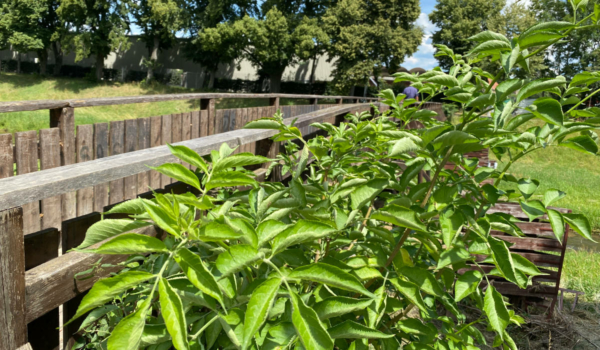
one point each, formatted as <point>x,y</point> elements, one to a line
<point>85,152</point>
<point>50,158</point>
<point>131,141</point>
<point>64,120</point>
<point>186,131</point>
<point>204,124</point>
<point>155,137</point>
<point>12,280</point>
<point>117,144</point>
<point>143,179</point>
<point>6,156</point>
<point>167,121</point>
<point>100,151</point>
<point>195,124</point>
<point>219,120</point>
<point>26,159</point>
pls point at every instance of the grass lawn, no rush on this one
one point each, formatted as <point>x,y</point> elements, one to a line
<point>32,87</point>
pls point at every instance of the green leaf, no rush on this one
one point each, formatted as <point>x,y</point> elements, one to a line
<point>424,279</point>
<point>482,101</point>
<point>298,192</point>
<point>189,156</point>
<point>537,39</point>
<point>352,330</point>
<point>172,311</point>
<point>527,187</point>
<point>411,171</point>
<point>533,209</point>
<point>496,311</point>
<point>310,330</point>
<point>487,36</point>
<point>555,26</point>
<point>238,160</point>
<point>558,224</point>
<point>133,207</point>
<point>96,314</point>
<point>525,266</point>
<point>581,143</point>
<point>201,278</point>
<point>549,110</point>
<point>179,173</point>
<point>330,275</point>
<point>453,256</point>
<point>411,292</point>
<point>507,87</point>
<point>466,284</point>
<point>580,224</point>
<point>490,47</point>
<point>108,228</point>
<point>337,306</point>
<point>454,137</point>
<point>236,258</point>
<point>365,193</point>
<point>426,333</point>
<point>538,86</point>
<point>215,232</point>
<point>108,288</point>
<point>503,259</point>
<point>230,179</point>
<point>264,123</point>
<point>162,219</point>
<point>131,243</point>
<point>127,334</point>
<point>399,216</point>
<point>552,195</point>
<point>258,308</point>
<point>445,80</point>
<point>268,229</point>
<point>402,146</point>
<point>301,231</point>
<point>451,223</point>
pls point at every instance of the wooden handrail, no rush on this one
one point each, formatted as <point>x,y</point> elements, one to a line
<point>34,105</point>
<point>27,188</point>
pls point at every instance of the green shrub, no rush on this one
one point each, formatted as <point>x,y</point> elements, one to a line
<point>449,109</point>
<point>352,251</point>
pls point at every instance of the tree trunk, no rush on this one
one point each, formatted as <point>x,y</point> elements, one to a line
<point>275,80</point>
<point>153,59</point>
<point>211,79</point>
<point>18,63</point>
<point>58,57</point>
<point>314,67</point>
<point>99,67</point>
<point>43,58</point>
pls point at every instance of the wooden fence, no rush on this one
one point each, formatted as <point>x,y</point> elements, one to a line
<point>84,170</point>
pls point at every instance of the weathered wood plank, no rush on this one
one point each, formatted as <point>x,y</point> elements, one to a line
<point>100,151</point>
<point>117,146</point>
<point>155,141</point>
<point>26,154</point>
<point>12,280</point>
<point>64,119</point>
<point>209,105</point>
<point>176,128</point>
<point>219,121</point>
<point>166,137</point>
<point>144,135</point>
<point>85,152</point>
<point>131,142</point>
<point>186,131</point>
<point>195,133</point>
<point>204,123</point>
<point>6,156</point>
<point>19,190</point>
<point>49,159</point>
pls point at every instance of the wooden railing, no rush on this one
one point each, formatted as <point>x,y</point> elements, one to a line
<point>45,213</point>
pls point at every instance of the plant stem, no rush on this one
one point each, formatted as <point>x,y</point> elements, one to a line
<point>193,337</point>
<point>582,101</point>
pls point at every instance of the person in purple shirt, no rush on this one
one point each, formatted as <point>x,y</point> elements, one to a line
<point>411,92</point>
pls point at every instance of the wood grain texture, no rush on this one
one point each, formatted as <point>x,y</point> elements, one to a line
<point>155,141</point>
<point>204,123</point>
<point>12,280</point>
<point>6,156</point>
<point>64,120</point>
<point>195,124</point>
<point>101,150</point>
<point>186,131</point>
<point>166,137</point>
<point>49,159</point>
<point>117,146</point>
<point>144,136</point>
<point>131,143</point>
<point>85,153</point>
<point>26,158</point>
<point>219,121</point>
<point>19,190</point>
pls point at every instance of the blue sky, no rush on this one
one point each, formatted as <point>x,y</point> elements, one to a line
<point>424,56</point>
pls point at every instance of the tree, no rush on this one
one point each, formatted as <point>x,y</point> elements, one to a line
<point>458,20</point>
<point>99,28</point>
<point>160,20</point>
<point>20,28</point>
<point>367,36</point>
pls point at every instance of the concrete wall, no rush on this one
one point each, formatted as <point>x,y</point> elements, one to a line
<point>174,59</point>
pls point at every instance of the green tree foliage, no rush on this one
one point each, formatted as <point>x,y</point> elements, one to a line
<point>19,26</point>
<point>458,20</point>
<point>355,249</point>
<point>99,27</point>
<point>367,36</point>
<point>160,20</point>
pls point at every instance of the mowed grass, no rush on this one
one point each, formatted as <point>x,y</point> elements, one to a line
<point>32,87</point>
<point>581,271</point>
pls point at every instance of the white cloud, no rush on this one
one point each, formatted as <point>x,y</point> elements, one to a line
<point>424,56</point>
<point>425,24</point>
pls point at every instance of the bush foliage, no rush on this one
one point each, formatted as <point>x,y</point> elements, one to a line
<point>355,249</point>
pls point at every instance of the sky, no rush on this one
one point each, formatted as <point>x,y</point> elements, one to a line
<point>424,56</point>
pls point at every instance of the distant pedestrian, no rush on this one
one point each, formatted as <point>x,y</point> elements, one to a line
<point>411,92</point>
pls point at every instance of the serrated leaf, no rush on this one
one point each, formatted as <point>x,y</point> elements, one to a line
<point>445,80</point>
<point>400,217</point>
<point>453,256</point>
<point>402,146</point>
<point>238,160</point>
<point>495,309</point>
<point>503,259</point>
<point>482,101</point>
<point>538,86</point>
<point>466,284</point>
<point>214,232</point>
<point>189,156</point>
<point>411,292</point>
<point>424,279</point>
<point>310,330</point>
<point>298,192</point>
<point>258,308</point>
<point>490,47</point>
<point>230,179</point>
<point>537,39</point>
<point>179,173</point>
<point>127,334</point>
<point>352,330</point>
<point>264,123</point>
<point>451,223</point>
<point>487,36</point>
<point>507,87</point>
<point>581,143</point>
<point>132,207</point>
<point>108,228</point>
<point>301,231</point>
<point>172,311</point>
<point>330,275</point>
<point>553,195</point>
<point>549,26</point>
<point>162,219</point>
<point>580,224</point>
<point>527,187</point>
<point>201,278</point>
<point>426,333</point>
<point>365,193</point>
<point>131,243</point>
<point>454,137</point>
<point>236,258</point>
<point>268,229</point>
<point>549,110</point>
<point>337,306</point>
<point>558,224</point>
<point>533,209</point>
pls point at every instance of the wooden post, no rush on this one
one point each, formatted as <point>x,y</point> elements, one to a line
<point>339,101</point>
<point>270,149</point>
<point>274,101</point>
<point>208,104</point>
<point>354,100</point>
<point>12,280</point>
<point>64,120</point>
